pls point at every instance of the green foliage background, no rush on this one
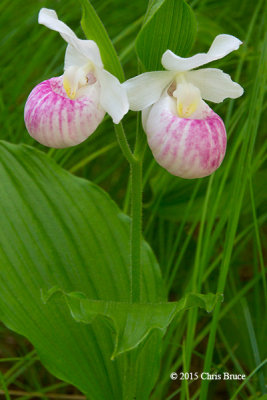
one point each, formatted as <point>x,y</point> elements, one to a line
<point>209,235</point>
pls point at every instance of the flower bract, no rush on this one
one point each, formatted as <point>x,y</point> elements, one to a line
<point>185,135</point>
<point>65,110</point>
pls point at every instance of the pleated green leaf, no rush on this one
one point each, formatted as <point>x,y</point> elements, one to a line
<point>95,30</point>
<point>169,24</point>
<point>132,322</point>
<point>60,230</point>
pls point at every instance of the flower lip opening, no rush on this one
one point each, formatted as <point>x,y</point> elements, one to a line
<point>75,78</point>
<point>188,98</point>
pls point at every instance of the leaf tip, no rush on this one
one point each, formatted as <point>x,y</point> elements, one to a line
<point>47,294</point>
<point>218,298</point>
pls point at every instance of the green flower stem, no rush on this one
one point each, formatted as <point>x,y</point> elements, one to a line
<point>136,228</point>
<point>136,197</point>
<point>124,145</point>
<point>135,161</point>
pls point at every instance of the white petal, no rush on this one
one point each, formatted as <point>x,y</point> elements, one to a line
<point>214,84</point>
<point>221,46</point>
<point>146,89</point>
<point>86,48</point>
<point>113,96</point>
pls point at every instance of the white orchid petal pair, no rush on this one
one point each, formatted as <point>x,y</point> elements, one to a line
<point>186,137</point>
<point>214,84</point>
<point>65,111</point>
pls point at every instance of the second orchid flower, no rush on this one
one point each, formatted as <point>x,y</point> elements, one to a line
<point>185,135</point>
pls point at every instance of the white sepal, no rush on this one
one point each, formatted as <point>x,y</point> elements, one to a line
<point>86,48</point>
<point>74,57</point>
<point>113,96</point>
<point>214,84</point>
<point>221,46</point>
<point>145,89</point>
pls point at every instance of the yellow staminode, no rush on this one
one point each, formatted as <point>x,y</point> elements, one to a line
<point>70,92</point>
<point>186,111</point>
<point>75,78</point>
<point>188,99</point>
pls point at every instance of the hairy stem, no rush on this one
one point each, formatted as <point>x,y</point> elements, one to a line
<point>135,161</point>
<point>124,145</point>
<point>136,227</point>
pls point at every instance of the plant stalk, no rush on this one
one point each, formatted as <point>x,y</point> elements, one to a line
<point>135,161</point>
<point>124,145</point>
<point>136,227</point>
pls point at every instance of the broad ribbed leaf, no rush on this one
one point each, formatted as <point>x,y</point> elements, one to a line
<point>169,24</point>
<point>132,322</point>
<point>59,230</point>
<point>95,30</point>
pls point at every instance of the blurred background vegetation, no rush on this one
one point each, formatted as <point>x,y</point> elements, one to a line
<point>208,234</point>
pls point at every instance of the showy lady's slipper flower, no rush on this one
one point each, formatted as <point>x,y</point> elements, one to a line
<point>65,110</point>
<point>186,137</point>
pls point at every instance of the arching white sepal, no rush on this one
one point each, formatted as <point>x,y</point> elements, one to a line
<point>74,57</point>
<point>87,48</point>
<point>221,46</point>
